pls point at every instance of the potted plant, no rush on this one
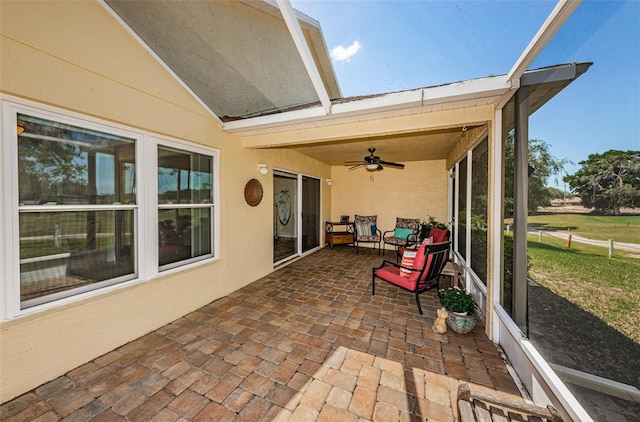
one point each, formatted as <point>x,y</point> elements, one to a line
<point>426,226</point>
<point>462,309</point>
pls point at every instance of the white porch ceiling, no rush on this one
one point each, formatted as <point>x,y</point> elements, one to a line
<point>432,145</point>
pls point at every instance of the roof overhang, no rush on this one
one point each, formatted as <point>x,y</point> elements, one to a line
<point>469,93</point>
<point>237,58</point>
<point>415,125</point>
<point>262,68</point>
<point>543,84</point>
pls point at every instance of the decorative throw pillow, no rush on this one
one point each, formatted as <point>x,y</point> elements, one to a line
<point>402,233</point>
<point>438,235</point>
<point>363,229</point>
<point>408,259</point>
<point>373,229</point>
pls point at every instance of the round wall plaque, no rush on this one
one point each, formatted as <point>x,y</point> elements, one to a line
<point>253,192</point>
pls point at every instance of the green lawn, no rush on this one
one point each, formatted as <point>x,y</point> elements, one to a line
<point>608,288</point>
<point>625,228</point>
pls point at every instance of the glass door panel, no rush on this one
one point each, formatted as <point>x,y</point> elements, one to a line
<point>285,222</point>
<point>310,213</point>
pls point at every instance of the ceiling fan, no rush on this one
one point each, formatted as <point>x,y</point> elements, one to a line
<point>372,162</point>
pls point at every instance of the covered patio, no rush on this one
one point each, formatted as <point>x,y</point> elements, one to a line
<point>204,322</point>
<point>306,342</point>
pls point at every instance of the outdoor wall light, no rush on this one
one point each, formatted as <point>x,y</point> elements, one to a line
<point>329,182</point>
<point>262,168</point>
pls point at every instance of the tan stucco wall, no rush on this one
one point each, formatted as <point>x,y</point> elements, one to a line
<point>418,191</point>
<point>74,56</point>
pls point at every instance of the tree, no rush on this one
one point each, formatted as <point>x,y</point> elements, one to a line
<point>608,181</point>
<point>555,193</point>
<point>47,169</point>
<point>542,166</point>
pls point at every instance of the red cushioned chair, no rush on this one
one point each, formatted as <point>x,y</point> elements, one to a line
<point>435,236</point>
<point>416,274</point>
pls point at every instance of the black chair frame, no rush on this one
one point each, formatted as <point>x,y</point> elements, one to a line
<point>430,275</point>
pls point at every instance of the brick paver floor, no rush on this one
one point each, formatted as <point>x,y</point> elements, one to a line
<point>306,343</point>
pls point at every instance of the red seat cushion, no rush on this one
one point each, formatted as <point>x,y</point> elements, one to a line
<point>392,275</point>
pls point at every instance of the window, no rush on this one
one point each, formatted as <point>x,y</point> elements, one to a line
<point>462,208</point>
<point>509,176</point>
<point>185,206</point>
<point>76,211</point>
<point>479,192</point>
<point>80,194</point>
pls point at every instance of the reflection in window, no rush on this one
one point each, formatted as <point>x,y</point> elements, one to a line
<point>65,251</point>
<point>509,175</point>
<point>479,191</point>
<point>184,177</point>
<point>63,164</point>
<point>185,202</point>
<point>462,208</point>
<point>183,234</point>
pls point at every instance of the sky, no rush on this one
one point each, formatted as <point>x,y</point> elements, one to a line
<point>385,46</point>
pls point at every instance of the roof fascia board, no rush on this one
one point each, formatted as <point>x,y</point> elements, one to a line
<point>458,91</point>
<point>324,61</point>
<point>341,131</point>
<point>556,19</point>
<point>158,59</point>
<point>274,6</point>
<point>314,30</point>
<point>566,72</point>
<point>293,24</point>
<point>297,116</point>
<point>475,88</point>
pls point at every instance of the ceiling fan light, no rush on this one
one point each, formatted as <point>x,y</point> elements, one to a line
<point>372,167</point>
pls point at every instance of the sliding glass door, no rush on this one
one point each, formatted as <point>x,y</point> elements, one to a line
<point>285,212</point>
<point>296,215</point>
<point>310,213</point>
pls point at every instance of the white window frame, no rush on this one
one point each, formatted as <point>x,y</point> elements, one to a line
<point>146,229</point>
<point>171,143</point>
<point>473,282</point>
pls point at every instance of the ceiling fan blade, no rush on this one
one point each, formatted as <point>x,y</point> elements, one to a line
<point>346,163</point>
<point>357,166</point>
<point>391,164</point>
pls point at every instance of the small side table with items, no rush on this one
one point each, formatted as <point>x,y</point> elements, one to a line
<point>338,233</point>
<point>452,270</point>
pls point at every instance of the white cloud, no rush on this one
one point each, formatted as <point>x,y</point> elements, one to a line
<point>342,53</point>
